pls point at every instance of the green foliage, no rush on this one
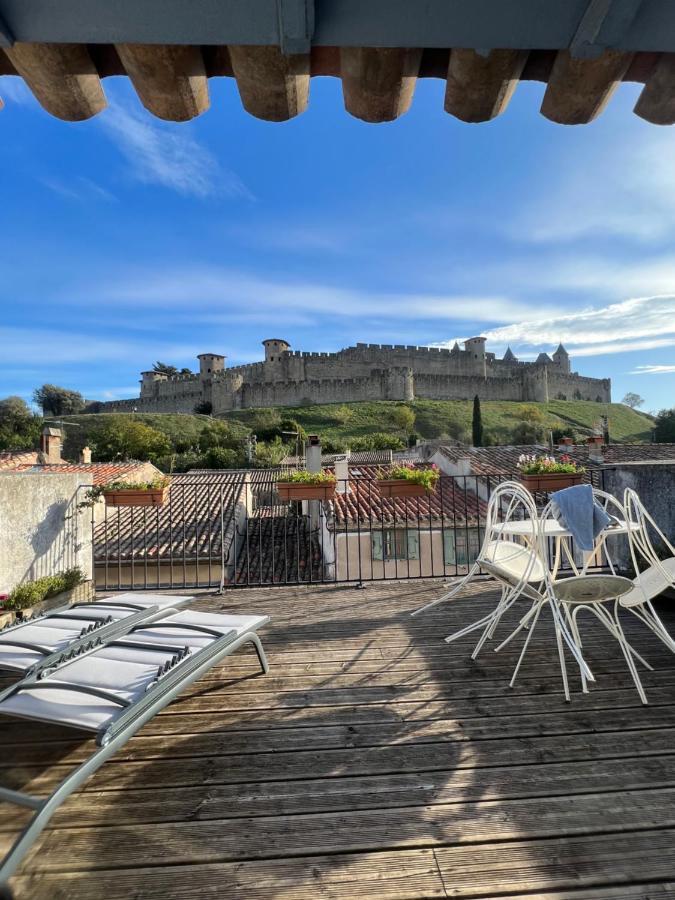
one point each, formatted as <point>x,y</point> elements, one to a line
<point>122,438</point>
<point>528,433</point>
<point>19,428</point>
<point>380,440</point>
<point>95,493</point>
<point>302,476</point>
<point>403,418</point>
<point>222,458</point>
<point>32,592</point>
<point>58,401</point>
<point>664,432</point>
<point>477,423</point>
<point>343,414</point>
<point>164,369</point>
<point>409,472</point>
<point>270,454</point>
<point>633,400</point>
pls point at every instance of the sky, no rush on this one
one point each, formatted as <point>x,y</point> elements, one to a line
<point>127,240</point>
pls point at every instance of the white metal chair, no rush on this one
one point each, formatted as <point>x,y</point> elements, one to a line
<point>519,563</point>
<point>656,577</point>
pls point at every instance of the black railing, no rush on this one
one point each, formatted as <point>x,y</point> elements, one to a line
<point>228,531</point>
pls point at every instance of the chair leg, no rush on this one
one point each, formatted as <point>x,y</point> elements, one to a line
<point>489,629</point>
<point>647,615</point>
<point>450,594</point>
<point>258,647</point>
<point>561,655</point>
<point>613,625</point>
<point>525,646</point>
<point>572,619</point>
<point>524,623</point>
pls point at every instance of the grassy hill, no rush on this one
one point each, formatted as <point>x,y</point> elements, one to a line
<point>433,418</point>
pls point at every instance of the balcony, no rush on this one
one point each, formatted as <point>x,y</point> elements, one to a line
<point>373,761</point>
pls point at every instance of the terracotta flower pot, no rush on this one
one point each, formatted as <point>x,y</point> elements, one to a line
<point>136,497</point>
<point>290,490</point>
<point>552,481</point>
<point>401,487</point>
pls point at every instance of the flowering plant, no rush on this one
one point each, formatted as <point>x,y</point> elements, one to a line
<point>427,477</point>
<point>548,465</point>
<point>302,476</point>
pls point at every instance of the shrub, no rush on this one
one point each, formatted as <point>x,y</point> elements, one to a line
<point>409,472</point>
<point>304,477</point>
<point>25,595</point>
<point>547,465</point>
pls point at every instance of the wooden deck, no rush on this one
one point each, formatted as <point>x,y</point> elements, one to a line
<point>373,761</point>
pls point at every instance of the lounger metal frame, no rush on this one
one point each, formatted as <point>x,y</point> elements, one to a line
<point>183,670</point>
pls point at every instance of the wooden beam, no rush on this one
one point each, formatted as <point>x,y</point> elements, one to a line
<point>272,86</point>
<point>478,88</point>
<point>656,103</point>
<point>62,77</point>
<point>378,83</point>
<point>579,89</point>
<point>170,80</point>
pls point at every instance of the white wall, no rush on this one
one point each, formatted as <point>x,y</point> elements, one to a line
<point>41,530</point>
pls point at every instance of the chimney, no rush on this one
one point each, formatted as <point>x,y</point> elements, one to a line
<point>342,474</point>
<point>313,453</point>
<point>595,440</point>
<point>565,442</point>
<point>85,455</point>
<point>50,446</point>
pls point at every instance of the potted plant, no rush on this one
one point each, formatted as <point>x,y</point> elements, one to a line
<point>33,598</point>
<point>303,485</point>
<point>130,493</point>
<point>544,473</point>
<point>407,480</point>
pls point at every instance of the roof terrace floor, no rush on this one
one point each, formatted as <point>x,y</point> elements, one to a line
<point>373,761</point>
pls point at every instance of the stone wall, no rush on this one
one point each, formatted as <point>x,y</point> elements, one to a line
<point>41,530</point>
<point>655,483</point>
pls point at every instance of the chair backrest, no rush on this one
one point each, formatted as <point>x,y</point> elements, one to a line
<point>511,546</point>
<point>641,525</point>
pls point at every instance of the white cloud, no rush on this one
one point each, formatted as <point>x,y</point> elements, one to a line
<point>643,323</point>
<point>79,188</point>
<point>215,290</point>
<point>160,153</point>
<point>13,90</point>
<point>652,370</point>
<point>611,183</point>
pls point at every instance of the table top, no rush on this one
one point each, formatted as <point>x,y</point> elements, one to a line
<point>553,528</point>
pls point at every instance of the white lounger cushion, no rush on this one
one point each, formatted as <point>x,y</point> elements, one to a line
<point>650,583</point>
<point>55,633</point>
<point>123,671</point>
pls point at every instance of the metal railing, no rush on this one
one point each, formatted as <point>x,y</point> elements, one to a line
<point>216,533</point>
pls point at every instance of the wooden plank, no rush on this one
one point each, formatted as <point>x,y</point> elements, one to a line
<point>385,876</point>
<point>579,89</point>
<point>340,763</point>
<point>169,80</point>
<point>272,86</point>
<point>62,78</point>
<point>354,831</point>
<point>564,863</point>
<point>378,83</point>
<point>479,87</point>
<point>656,103</point>
<point>369,792</point>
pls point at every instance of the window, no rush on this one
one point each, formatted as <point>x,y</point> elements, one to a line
<point>395,543</point>
<point>455,546</point>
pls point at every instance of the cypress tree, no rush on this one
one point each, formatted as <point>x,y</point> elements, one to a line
<point>477,423</point>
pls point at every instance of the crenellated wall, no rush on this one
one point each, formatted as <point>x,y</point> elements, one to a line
<point>364,372</point>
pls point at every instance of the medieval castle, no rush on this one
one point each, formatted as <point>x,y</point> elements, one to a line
<point>365,372</point>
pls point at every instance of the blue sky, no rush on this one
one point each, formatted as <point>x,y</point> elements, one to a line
<point>126,240</point>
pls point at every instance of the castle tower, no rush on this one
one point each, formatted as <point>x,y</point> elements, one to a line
<point>561,359</point>
<point>274,347</point>
<point>475,347</point>
<point>509,356</point>
<point>209,364</point>
<point>149,379</point>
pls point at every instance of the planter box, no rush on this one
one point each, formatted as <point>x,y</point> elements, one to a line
<point>7,617</point>
<point>81,593</point>
<point>288,490</point>
<point>400,487</point>
<point>554,481</point>
<point>135,497</point>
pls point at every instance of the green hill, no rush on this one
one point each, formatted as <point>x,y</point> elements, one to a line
<point>433,418</point>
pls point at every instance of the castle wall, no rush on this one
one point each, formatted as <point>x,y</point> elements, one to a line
<point>366,372</point>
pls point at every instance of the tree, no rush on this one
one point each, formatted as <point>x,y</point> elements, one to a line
<point>218,434</point>
<point>58,401</point>
<point>531,426</point>
<point>632,400</point>
<point>164,369</point>
<point>222,458</point>
<point>121,438</point>
<point>477,423</point>
<point>404,418</point>
<point>19,428</point>
<point>664,432</point>
<point>343,414</point>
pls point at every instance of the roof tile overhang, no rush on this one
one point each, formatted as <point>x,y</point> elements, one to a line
<point>581,49</point>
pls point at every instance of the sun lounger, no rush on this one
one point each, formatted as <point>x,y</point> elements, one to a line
<point>39,642</point>
<point>114,688</point>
